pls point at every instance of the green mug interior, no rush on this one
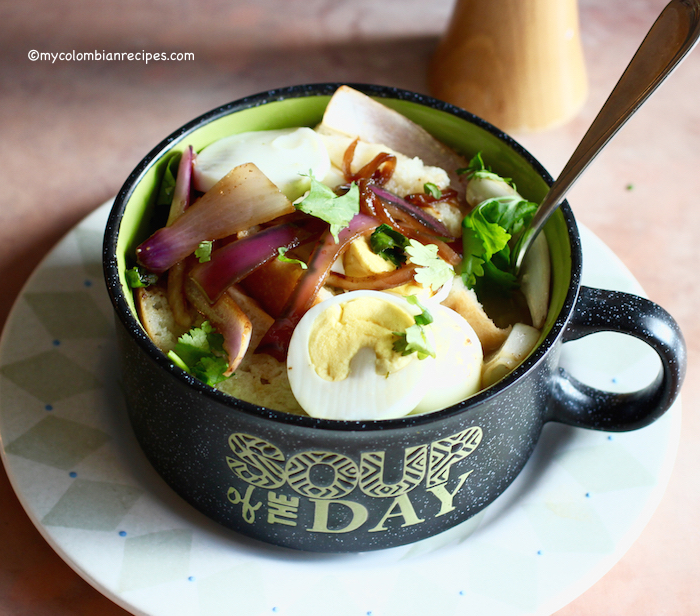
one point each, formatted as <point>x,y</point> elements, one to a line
<point>464,136</point>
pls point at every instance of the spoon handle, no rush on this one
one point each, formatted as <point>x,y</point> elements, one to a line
<point>672,36</point>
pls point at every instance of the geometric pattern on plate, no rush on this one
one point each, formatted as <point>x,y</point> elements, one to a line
<point>57,442</point>
<point>155,558</point>
<point>604,468</point>
<point>93,505</point>
<point>569,523</point>
<point>50,376</point>
<point>69,315</point>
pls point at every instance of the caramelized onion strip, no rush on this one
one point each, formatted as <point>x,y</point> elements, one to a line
<point>228,319</point>
<point>377,282</point>
<point>423,219</point>
<point>276,340</point>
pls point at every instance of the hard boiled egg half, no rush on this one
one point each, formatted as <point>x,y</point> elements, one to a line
<point>341,363</point>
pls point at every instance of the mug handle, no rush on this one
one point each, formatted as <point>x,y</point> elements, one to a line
<point>598,310</point>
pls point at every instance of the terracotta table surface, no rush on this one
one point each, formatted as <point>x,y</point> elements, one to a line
<point>70,132</point>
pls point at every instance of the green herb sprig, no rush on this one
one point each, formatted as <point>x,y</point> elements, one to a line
<point>200,352</point>
<point>336,210</point>
<point>414,339</point>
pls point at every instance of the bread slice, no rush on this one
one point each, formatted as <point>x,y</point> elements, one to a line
<point>465,302</point>
<point>259,379</point>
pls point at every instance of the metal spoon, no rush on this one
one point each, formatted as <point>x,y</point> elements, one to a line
<point>672,36</point>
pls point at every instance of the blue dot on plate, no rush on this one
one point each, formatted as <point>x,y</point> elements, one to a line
<point>48,407</point>
<point>539,552</point>
<point>56,342</point>
<point>610,438</point>
<point>88,283</point>
<point>122,533</point>
<point>191,578</point>
<point>588,494</point>
<point>73,474</point>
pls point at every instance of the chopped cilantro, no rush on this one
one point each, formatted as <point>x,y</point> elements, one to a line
<point>389,244</point>
<point>210,370</point>
<point>139,277</point>
<point>336,210</point>
<point>477,169</point>
<point>200,352</point>
<point>282,257</point>
<point>431,189</point>
<point>424,318</point>
<point>485,236</point>
<point>432,270</point>
<point>203,252</point>
<point>414,340</point>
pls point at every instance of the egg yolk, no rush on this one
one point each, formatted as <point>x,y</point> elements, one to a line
<point>360,260</point>
<point>341,330</point>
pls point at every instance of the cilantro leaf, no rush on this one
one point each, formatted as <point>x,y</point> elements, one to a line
<point>486,233</point>
<point>424,318</point>
<point>200,352</point>
<point>414,340</point>
<point>432,270</point>
<point>281,256</point>
<point>203,252</point>
<point>139,277</point>
<point>477,169</point>
<point>336,210</point>
<point>510,212</point>
<point>475,165</point>
<point>431,189</point>
<point>389,244</point>
<point>210,370</point>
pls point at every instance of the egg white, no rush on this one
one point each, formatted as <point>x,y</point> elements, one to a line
<point>421,386</point>
<point>458,361</point>
<point>364,394</point>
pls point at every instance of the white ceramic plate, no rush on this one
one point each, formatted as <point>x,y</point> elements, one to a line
<point>581,501</point>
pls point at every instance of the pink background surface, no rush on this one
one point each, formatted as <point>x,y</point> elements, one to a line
<point>70,132</point>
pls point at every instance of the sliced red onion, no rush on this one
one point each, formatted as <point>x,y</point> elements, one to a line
<point>182,195</point>
<point>233,262</point>
<point>228,319</point>
<point>411,227</point>
<point>431,224</point>
<point>183,186</point>
<point>241,199</point>
<point>276,340</point>
<point>425,200</point>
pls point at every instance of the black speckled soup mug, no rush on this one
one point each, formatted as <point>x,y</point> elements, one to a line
<point>341,486</point>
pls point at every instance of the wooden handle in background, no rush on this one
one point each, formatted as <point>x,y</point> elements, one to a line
<point>516,63</point>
